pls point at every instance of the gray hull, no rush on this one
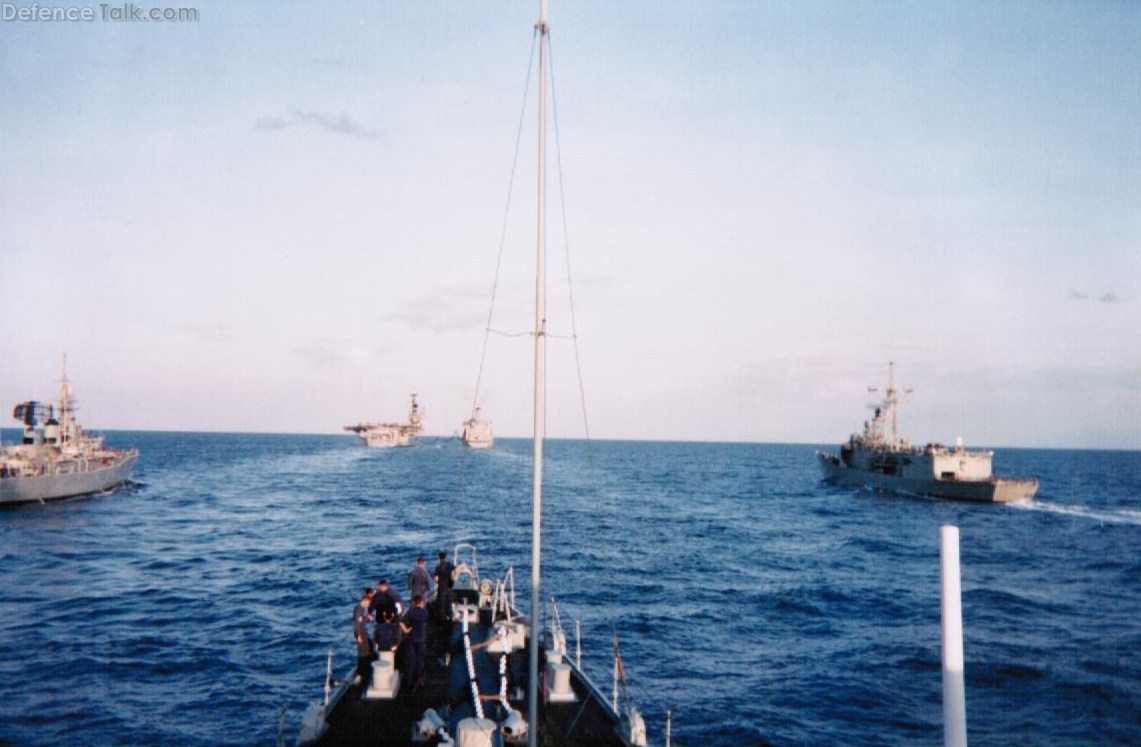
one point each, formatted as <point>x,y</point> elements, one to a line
<point>69,485</point>
<point>993,490</point>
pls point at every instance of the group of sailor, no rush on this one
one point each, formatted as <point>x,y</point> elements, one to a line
<point>382,623</point>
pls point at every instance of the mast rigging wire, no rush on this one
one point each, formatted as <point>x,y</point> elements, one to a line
<point>566,244</point>
<point>503,230</point>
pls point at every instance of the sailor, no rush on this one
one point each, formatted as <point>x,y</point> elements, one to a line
<point>443,576</point>
<point>388,633</point>
<point>419,581</point>
<point>415,626</point>
<point>361,619</point>
<point>386,598</point>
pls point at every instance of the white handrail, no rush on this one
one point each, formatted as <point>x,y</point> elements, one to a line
<point>328,677</point>
<point>578,643</point>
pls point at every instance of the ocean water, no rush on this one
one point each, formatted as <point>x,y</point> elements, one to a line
<point>755,603</point>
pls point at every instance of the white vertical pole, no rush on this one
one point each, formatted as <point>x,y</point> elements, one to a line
<point>540,331</point>
<point>954,692</point>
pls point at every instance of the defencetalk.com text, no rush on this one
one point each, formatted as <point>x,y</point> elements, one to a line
<point>127,12</point>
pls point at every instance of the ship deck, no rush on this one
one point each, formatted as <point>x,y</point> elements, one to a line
<point>356,720</point>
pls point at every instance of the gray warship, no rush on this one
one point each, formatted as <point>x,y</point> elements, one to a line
<point>55,458</point>
<point>879,458</point>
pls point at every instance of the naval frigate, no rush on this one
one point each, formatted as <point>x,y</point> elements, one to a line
<point>879,458</point>
<point>55,458</point>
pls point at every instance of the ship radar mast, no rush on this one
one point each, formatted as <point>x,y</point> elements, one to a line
<point>67,423</point>
<point>414,416</point>
<point>890,406</point>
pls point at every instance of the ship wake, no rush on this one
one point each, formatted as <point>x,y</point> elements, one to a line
<point>1130,516</point>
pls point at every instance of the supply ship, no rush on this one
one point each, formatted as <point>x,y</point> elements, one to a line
<point>477,432</point>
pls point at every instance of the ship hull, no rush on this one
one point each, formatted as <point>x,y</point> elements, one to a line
<point>477,433</point>
<point>990,490</point>
<point>387,440</point>
<point>478,442</point>
<point>34,489</point>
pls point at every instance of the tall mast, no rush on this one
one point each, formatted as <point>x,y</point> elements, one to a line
<point>892,401</point>
<point>540,332</point>
<point>66,408</point>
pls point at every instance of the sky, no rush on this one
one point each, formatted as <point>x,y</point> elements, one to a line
<point>287,217</point>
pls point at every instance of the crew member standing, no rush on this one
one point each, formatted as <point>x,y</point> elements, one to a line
<point>361,619</point>
<point>386,598</point>
<point>443,576</point>
<point>415,625</point>
<point>419,580</point>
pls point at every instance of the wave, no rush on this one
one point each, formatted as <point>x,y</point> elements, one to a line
<point>193,612</point>
<point>1110,516</point>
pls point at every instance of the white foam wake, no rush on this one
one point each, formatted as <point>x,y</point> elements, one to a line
<point>1109,516</point>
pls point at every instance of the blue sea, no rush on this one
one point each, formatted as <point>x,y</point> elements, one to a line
<point>753,602</point>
